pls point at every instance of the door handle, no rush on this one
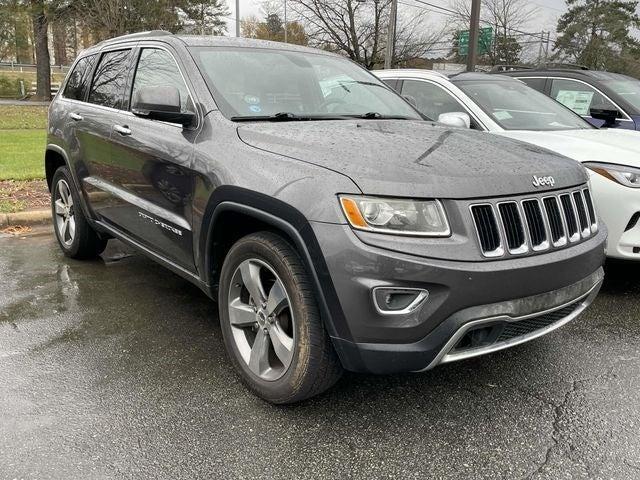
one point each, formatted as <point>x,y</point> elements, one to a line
<point>75,116</point>
<point>122,130</point>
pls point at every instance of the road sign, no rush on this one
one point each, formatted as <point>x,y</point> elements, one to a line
<point>484,42</point>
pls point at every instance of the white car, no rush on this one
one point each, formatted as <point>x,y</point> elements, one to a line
<point>506,106</point>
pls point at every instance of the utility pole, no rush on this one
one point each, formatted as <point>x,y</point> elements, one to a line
<point>391,39</point>
<point>542,37</point>
<point>474,34</point>
<point>285,21</point>
<point>237,18</point>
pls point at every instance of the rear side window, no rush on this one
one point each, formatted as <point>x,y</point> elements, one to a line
<point>78,82</point>
<point>579,96</point>
<point>391,82</point>
<point>431,100</point>
<point>110,79</point>
<point>535,83</point>
<point>157,68</point>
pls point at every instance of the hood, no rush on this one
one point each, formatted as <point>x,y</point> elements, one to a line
<point>607,145</point>
<point>414,158</point>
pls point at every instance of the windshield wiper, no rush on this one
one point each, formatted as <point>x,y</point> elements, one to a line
<point>284,117</point>
<point>379,116</point>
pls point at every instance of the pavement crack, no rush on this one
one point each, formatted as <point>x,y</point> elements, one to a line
<point>558,411</point>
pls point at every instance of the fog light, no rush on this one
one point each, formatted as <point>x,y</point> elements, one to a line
<point>398,301</point>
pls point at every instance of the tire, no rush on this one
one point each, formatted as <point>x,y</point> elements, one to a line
<point>287,316</point>
<point>76,237</point>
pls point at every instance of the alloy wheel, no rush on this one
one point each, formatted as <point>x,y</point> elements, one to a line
<point>64,210</point>
<point>261,319</point>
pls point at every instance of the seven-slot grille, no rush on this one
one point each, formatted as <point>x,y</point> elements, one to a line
<point>534,224</point>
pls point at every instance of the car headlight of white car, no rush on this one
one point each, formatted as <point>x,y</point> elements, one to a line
<point>627,176</point>
<point>397,216</point>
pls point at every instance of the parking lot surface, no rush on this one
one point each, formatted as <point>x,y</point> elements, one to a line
<point>116,369</point>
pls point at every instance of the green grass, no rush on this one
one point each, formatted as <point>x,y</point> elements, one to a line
<point>22,140</point>
<point>12,206</point>
<point>20,117</point>
<point>22,154</point>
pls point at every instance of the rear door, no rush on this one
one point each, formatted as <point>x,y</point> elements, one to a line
<point>581,97</point>
<point>151,162</point>
<point>104,99</point>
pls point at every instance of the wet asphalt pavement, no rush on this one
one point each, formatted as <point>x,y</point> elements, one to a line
<point>116,369</point>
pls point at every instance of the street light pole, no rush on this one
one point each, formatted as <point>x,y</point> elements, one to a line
<point>285,21</point>
<point>391,39</point>
<point>474,34</point>
<point>237,18</point>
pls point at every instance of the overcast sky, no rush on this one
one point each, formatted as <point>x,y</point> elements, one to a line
<point>550,10</point>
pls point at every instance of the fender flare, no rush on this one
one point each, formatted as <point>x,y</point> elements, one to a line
<point>292,222</point>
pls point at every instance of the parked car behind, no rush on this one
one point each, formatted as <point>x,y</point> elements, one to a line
<point>509,108</point>
<point>604,99</point>
<point>335,228</point>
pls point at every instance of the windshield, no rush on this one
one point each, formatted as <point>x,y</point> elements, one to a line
<point>627,88</point>
<point>514,106</point>
<point>249,83</point>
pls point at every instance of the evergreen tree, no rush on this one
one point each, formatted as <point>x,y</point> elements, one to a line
<point>597,33</point>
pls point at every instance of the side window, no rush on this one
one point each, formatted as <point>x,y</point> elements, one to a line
<point>391,83</point>
<point>157,68</point>
<point>78,82</point>
<point>535,83</point>
<point>110,79</point>
<point>578,96</point>
<point>430,99</point>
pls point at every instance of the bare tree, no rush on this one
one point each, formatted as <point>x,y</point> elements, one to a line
<point>358,29</point>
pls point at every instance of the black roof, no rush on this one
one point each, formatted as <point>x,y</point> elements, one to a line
<point>481,77</point>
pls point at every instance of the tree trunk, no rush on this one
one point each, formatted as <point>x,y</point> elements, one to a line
<point>43,61</point>
<point>60,42</point>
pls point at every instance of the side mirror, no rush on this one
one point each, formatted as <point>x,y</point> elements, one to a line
<point>605,113</point>
<point>160,103</point>
<point>455,119</point>
<point>411,99</point>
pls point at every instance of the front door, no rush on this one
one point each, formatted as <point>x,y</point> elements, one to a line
<point>152,162</point>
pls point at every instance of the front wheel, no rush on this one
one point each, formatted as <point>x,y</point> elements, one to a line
<point>75,236</point>
<point>270,321</point>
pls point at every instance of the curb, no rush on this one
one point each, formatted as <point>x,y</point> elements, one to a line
<point>25,218</point>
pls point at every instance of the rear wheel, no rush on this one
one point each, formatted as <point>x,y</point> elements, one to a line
<point>270,321</point>
<point>75,236</point>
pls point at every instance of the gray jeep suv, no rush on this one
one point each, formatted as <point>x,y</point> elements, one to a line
<point>336,228</point>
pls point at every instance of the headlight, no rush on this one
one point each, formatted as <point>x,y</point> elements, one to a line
<point>402,217</point>
<point>627,176</point>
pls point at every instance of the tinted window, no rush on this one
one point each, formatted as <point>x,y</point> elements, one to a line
<point>430,99</point>
<point>535,83</point>
<point>578,96</point>
<point>110,79</point>
<point>260,82</point>
<point>157,68</point>
<point>391,83</point>
<point>514,106</point>
<point>79,78</point>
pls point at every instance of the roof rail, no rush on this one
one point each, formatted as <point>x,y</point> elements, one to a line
<point>132,36</point>
<point>507,68</point>
<point>567,66</point>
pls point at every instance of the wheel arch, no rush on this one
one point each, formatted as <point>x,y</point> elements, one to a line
<point>54,158</point>
<point>249,212</point>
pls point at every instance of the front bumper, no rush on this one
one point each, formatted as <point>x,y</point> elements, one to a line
<point>616,206</point>
<point>462,296</point>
